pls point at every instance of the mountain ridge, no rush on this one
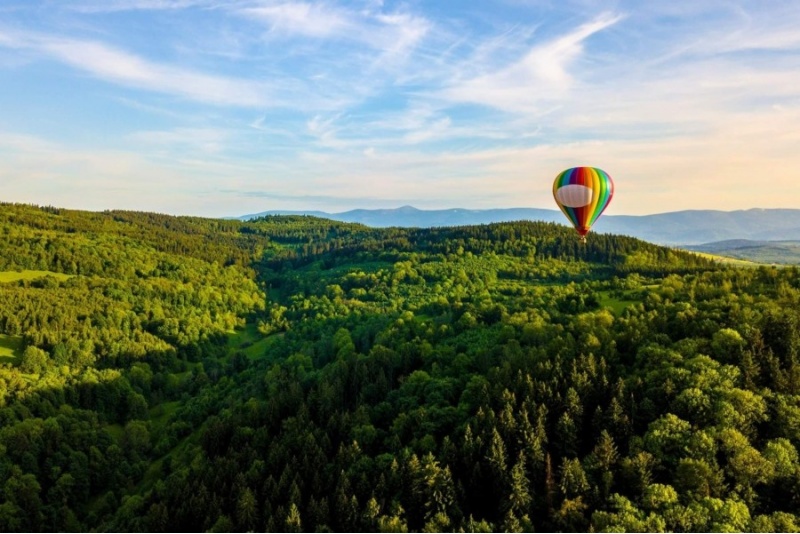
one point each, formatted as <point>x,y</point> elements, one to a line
<point>685,227</point>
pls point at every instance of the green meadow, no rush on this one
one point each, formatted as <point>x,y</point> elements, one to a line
<point>14,276</point>
<point>9,349</point>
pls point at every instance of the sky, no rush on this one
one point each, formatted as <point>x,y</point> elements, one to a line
<point>228,107</point>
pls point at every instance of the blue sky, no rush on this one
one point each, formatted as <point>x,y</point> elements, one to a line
<point>219,108</point>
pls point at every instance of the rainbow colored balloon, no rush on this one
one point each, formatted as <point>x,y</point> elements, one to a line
<point>583,193</point>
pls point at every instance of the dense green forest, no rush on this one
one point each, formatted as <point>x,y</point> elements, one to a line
<point>164,373</point>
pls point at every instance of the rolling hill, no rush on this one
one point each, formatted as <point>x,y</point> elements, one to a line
<point>297,374</point>
<point>690,227</point>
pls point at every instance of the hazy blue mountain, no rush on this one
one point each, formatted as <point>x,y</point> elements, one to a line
<point>409,216</point>
<point>690,227</point>
<point>704,226</point>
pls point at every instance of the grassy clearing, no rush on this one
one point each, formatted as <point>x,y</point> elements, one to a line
<point>10,349</point>
<point>616,304</point>
<point>13,276</point>
<point>259,348</point>
<point>725,259</point>
<point>116,431</point>
<point>250,341</point>
<point>248,334</point>
<point>160,414</point>
<point>366,267</point>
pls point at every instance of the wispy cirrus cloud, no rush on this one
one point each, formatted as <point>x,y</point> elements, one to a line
<point>206,140</point>
<point>111,6</point>
<point>392,33</point>
<point>542,74</point>
<point>124,68</point>
<point>474,105</point>
<point>304,19</point>
<point>305,198</point>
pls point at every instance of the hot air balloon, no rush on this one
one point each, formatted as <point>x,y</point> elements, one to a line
<point>583,193</point>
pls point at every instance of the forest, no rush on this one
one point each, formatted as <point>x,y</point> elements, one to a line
<point>295,374</point>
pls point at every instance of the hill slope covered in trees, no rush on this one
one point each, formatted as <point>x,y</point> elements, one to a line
<point>688,227</point>
<point>297,374</point>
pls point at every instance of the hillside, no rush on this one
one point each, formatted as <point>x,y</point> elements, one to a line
<point>291,373</point>
<point>779,252</point>
<point>690,227</point>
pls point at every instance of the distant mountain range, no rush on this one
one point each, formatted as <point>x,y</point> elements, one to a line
<point>691,227</point>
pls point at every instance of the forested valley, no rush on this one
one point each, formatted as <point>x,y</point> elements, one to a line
<point>289,373</point>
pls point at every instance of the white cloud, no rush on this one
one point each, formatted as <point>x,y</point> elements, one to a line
<point>110,6</point>
<point>204,140</point>
<point>399,32</point>
<point>434,130</point>
<point>360,96</point>
<point>303,18</point>
<point>324,129</point>
<point>124,68</point>
<point>540,75</point>
<point>121,67</point>
<point>393,33</point>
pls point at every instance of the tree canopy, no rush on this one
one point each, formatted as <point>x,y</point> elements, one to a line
<point>164,373</point>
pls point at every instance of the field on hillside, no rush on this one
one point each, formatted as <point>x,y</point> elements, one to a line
<point>763,252</point>
<point>13,276</point>
<point>727,260</point>
<point>9,349</point>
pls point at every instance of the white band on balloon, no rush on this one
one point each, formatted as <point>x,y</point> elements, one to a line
<point>574,195</point>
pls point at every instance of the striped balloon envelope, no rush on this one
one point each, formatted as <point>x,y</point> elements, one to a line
<point>583,193</point>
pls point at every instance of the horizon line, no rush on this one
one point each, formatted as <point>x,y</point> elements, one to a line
<point>398,208</point>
